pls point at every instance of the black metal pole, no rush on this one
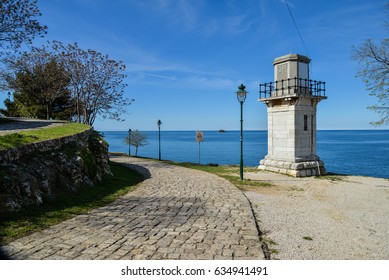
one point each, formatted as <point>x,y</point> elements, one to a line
<point>241,140</point>
<point>159,141</point>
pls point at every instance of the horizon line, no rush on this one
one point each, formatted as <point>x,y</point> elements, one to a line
<point>225,131</point>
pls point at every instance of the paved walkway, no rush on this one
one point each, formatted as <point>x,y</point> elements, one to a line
<point>176,213</point>
<point>23,124</point>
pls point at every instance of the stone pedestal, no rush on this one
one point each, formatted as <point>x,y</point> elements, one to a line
<point>296,169</point>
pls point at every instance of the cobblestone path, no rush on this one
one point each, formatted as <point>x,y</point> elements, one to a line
<point>176,213</point>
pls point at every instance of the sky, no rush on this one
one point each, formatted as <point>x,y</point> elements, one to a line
<point>186,58</point>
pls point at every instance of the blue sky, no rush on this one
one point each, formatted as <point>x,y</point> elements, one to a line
<point>186,58</point>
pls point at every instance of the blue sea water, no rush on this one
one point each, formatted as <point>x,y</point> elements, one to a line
<point>353,152</point>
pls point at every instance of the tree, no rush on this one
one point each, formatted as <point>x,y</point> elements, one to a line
<point>47,74</point>
<point>10,110</point>
<point>40,85</point>
<point>374,71</point>
<point>96,82</point>
<point>18,24</point>
<point>45,89</point>
<point>137,140</point>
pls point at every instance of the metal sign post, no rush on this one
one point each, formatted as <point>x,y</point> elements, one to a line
<point>199,139</point>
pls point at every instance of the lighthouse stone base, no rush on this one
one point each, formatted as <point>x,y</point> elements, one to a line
<point>296,169</point>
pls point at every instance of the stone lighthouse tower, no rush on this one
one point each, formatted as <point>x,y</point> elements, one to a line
<point>291,102</point>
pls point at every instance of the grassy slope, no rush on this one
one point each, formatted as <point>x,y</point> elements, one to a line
<point>37,135</point>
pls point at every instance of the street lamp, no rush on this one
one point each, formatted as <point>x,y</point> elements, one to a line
<point>129,142</point>
<point>159,138</point>
<point>241,95</point>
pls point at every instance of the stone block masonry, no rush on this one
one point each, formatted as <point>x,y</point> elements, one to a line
<point>296,169</point>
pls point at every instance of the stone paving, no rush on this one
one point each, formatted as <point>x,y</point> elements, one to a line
<point>176,213</point>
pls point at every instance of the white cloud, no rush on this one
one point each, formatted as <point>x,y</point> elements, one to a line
<point>348,22</point>
<point>208,82</point>
<point>160,76</point>
<point>192,16</point>
<point>227,26</point>
<point>182,13</point>
<point>238,24</point>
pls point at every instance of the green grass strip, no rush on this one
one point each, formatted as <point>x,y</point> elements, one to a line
<point>37,135</point>
<point>54,211</point>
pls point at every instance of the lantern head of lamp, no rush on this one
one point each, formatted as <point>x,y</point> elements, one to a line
<point>241,93</point>
<point>159,123</point>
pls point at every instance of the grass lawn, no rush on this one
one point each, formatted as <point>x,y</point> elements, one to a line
<point>13,226</point>
<point>37,135</point>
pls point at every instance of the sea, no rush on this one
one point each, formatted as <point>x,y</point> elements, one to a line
<point>350,152</point>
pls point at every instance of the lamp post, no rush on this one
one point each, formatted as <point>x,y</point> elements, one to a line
<point>129,142</point>
<point>159,138</point>
<point>241,95</point>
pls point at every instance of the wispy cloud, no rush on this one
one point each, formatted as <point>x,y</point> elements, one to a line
<point>159,76</point>
<point>239,24</point>
<point>184,76</point>
<point>147,64</point>
<point>345,25</point>
<point>227,26</point>
<point>183,13</point>
<point>208,82</point>
<point>193,16</point>
<point>262,7</point>
<point>184,81</point>
<point>160,73</point>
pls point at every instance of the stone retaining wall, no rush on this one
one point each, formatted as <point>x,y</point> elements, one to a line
<point>9,155</point>
<point>34,172</point>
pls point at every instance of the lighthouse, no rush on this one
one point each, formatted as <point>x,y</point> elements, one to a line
<point>292,100</point>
